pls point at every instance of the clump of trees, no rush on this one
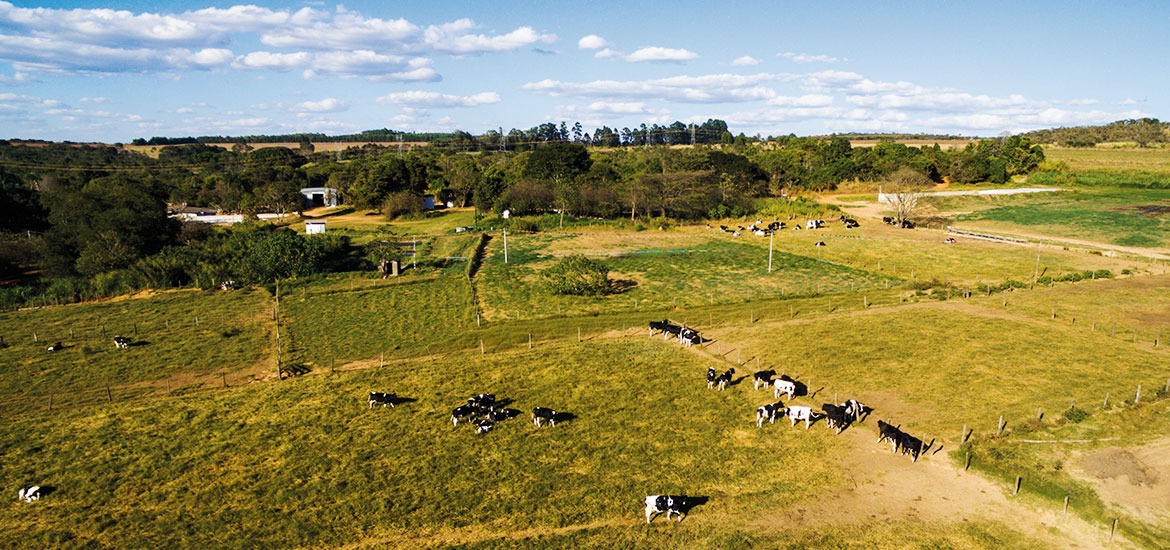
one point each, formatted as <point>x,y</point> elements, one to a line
<point>577,275</point>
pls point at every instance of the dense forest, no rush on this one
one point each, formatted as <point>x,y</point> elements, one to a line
<point>94,220</point>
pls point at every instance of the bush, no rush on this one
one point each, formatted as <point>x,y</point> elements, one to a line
<point>402,203</point>
<point>577,276</point>
<point>1075,415</point>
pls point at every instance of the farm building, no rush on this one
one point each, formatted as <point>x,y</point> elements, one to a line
<point>314,227</point>
<point>320,196</point>
<point>428,202</point>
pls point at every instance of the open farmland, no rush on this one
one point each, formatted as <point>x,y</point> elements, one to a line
<point>926,333</point>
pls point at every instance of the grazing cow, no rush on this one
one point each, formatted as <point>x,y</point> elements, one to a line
<point>907,224</point>
<point>29,494</point>
<point>763,378</point>
<point>482,426</point>
<point>910,446</point>
<point>541,414</point>
<point>121,342</point>
<point>689,337</point>
<point>482,402</point>
<point>710,377</point>
<point>796,227</point>
<point>668,329</point>
<point>55,347</point>
<point>724,379</point>
<point>820,243</point>
<point>227,285</point>
<point>462,411</point>
<point>775,226</point>
<point>889,220</point>
<point>502,414</point>
<point>671,504</point>
<point>889,432</point>
<point>383,399</point>
<point>768,412</point>
<point>853,410</point>
<point>835,416</point>
<point>784,384</point>
<point>949,240</point>
<point>798,413</point>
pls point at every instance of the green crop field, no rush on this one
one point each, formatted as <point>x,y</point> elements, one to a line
<point>1118,158</point>
<point>929,334</point>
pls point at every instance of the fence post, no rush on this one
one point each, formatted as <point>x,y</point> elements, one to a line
<point>1138,397</point>
<point>1019,480</point>
<point>482,351</point>
<point>50,401</point>
<point>529,340</point>
<point>999,426</point>
<point>967,465</point>
<point>1065,504</point>
<point>109,396</point>
<point>1112,529</point>
<point>963,436</point>
<point>223,376</point>
<point>1106,405</point>
<point>1039,413</point>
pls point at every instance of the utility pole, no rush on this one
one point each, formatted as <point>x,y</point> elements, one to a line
<point>693,143</point>
<point>505,245</point>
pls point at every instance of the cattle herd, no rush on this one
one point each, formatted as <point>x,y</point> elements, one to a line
<point>761,230</point>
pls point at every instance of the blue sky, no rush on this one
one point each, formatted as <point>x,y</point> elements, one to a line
<point>114,71</point>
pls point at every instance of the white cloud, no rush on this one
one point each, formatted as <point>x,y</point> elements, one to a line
<point>658,54</point>
<point>607,54</point>
<point>745,61</point>
<point>273,61</point>
<point>420,98</point>
<point>809,58</point>
<point>810,100</point>
<point>717,88</point>
<point>327,105</point>
<point>592,42</point>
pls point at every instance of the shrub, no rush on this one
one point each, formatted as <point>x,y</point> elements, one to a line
<point>1076,415</point>
<point>578,276</point>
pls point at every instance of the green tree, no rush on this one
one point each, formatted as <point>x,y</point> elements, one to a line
<point>284,254</point>
<point>578,276</point>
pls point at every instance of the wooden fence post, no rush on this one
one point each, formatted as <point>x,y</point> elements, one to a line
<point>1106,405</point>
<point>529,340</point>
<point>1065,504</point>
<point>1112,529</point>
<point>967,465</point>
<point>999,426</point>
<point>1019,480</point>
<point>50,401</point>
<point>1138,397</point>
<point>1039,414</point>
<point>109,396</point>
<point>482,351</point>
<point>223,376</point>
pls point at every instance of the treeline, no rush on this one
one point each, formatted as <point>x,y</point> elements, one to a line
<point>100,214</point>
<point>1144,132</point>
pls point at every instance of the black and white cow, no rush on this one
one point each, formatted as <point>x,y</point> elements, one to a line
<point>121,342</point>
<point>462,411</point>
<point>769,412</point>
<point>667,328</point>
<point>55,347</point>
<point>819,243</point>
<point>784,384</point>
<point>482,402</point>
<point>502,414</point>
<point>689,337</point>
<point>910,446</point>
<point>724,379</point>
<point>383,399</point>
<point>29,494</point>
<point>949,240</point>
<point>710,377</point>
<point>671,504</point>
<point>853,410</point>
<point>799,412</point>
<point>889,432</point>
<point>482,426</point>
<point>763,378</point>
<point>542,414</point>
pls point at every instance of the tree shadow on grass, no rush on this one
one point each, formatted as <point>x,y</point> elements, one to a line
<point>621,285</point>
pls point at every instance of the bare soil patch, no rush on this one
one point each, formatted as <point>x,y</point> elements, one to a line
<point>1134,479</point>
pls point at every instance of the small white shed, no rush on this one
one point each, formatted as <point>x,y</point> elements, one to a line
<point>314,227</point>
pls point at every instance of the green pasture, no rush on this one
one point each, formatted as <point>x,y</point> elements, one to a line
<point>708,271</point>
<point>1121,158</point>
<point>305,462</point>
<point>1126,217</point>
<point>174,333</point>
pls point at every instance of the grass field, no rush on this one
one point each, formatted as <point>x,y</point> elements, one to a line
<point>1105,158</point>
<point>877,314</point>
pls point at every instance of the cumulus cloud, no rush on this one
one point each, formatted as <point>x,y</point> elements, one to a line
<point>607,53</point>
<point>592,42</point>
<point>745,61</point>
<point>420,99</point>
<point>661,55</point>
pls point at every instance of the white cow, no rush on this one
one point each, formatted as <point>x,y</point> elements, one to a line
<point>781,385</point>
<point>799,412</point>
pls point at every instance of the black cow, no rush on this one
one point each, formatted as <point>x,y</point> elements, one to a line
<point>769,412</point>
<point>835,416</point>
<point>889,432</point>
<point>668,329</point>
<point>541,414</point>
<point>383,399</point>
<point>501,414</point>
<point>853,410</point>
<point>763,378</point>
<point>671,504</point>
<point>724,379</point>
<point>710,377</point>
<point>462,411</point>
<point>121,342</point>
<point>55,347</point>
<point>910,446</point>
